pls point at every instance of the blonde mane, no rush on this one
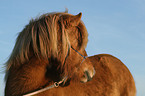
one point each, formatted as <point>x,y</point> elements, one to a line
<point>50,48</point>
<point>40,38</point>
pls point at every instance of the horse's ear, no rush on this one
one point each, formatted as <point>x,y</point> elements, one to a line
<point>71,21</point>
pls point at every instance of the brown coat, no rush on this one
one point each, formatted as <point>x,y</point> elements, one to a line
<point>44,53</point>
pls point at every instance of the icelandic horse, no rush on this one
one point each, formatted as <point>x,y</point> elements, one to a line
<point>50,52</point>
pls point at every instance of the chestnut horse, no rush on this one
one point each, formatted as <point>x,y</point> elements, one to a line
<point>50,52</point>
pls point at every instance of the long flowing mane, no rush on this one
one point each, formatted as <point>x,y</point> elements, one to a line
<point>40,38</point>
<point>50,50</point>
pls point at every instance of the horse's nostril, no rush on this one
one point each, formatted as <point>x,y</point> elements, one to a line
<point>88,76</point>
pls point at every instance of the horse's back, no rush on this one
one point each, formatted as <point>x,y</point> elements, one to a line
<point>112,76</point>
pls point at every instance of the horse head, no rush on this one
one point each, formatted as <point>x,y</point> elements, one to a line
<point>56,41</point>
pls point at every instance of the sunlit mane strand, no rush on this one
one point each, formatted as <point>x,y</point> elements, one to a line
<point>39,38</point>
<point>50,51</point>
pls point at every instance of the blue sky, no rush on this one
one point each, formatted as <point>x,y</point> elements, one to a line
<point>115,27</point>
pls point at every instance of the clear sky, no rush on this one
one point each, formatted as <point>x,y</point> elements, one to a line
<point>115,27</point>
